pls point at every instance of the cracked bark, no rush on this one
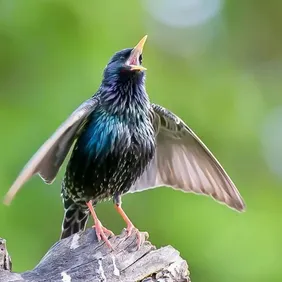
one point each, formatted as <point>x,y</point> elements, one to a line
<point>82,258</point>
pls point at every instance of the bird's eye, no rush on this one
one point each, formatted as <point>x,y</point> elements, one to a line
<point>140,59</point>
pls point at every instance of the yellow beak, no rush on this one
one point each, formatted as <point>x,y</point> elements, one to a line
<point>133,60</point>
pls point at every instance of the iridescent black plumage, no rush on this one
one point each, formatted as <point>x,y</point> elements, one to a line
<point>125,144</point>
<point>115,145</point>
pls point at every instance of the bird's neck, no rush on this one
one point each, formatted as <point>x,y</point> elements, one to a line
<point>125,98</point>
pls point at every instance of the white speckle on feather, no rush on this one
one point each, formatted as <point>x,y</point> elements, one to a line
<point>116,270</point>
<point>74,242</point>
<point>66,277</point>
<point>101,270</point>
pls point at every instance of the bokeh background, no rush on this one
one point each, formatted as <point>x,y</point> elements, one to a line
<point>216,63</point>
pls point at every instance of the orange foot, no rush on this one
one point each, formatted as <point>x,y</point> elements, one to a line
<point>103,233</point>
<point>129,229</point>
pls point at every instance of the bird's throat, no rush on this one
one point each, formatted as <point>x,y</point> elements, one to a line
<point>127,100</point>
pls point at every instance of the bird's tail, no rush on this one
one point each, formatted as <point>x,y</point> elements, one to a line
<point>75,219</point>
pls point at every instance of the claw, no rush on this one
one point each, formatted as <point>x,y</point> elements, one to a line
<point>130,228</point>
<point>108,232</point>
<point>102,232</point>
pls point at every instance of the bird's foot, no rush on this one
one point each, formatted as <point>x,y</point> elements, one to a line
<point>105,230</point>
<point>103,233</point>
<point>129,229</point>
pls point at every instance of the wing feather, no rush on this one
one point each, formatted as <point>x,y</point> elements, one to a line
<point>50,156</point>
<point>183,162</point>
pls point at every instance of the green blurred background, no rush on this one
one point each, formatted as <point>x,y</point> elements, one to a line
<point>217,64</point>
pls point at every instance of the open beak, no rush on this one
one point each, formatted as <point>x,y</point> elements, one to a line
<point>133,60</point>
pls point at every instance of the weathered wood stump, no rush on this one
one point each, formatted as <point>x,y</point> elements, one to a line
<point>82,258</point>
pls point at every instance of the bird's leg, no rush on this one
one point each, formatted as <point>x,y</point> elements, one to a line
<point>130,226</point>
<point>101,231</point>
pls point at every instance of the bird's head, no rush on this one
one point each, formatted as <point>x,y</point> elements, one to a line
<point>126,64</point>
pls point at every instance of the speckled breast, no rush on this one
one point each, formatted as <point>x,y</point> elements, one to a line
<point>108,158</point>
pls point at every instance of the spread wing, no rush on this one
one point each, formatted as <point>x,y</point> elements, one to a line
<point>183,162</point>
<point>49,158</point>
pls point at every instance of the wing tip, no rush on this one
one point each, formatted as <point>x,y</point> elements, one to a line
<point>12,192</point>
<point>8,199</point>
<point>238,205</point>
<point>242,208</point>
<point>236,202</point>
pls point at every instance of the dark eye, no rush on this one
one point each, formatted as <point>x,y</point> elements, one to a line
<point>140,59</point>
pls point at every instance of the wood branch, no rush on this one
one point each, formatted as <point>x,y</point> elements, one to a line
<point>82,258</point>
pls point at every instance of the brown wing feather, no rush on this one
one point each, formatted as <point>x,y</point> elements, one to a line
<point>49,158</point>
<point>183,162</point>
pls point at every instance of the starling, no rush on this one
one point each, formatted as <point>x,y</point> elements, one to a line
<point>124,144</point>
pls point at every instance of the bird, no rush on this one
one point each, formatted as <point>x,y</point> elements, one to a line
<point>122,143</point>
